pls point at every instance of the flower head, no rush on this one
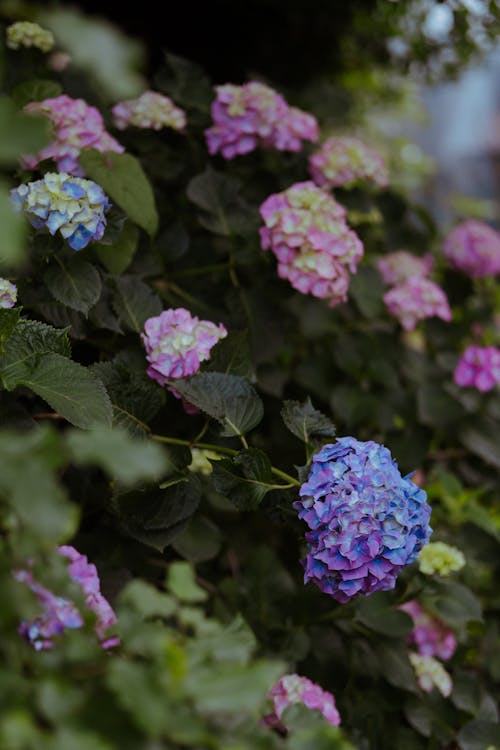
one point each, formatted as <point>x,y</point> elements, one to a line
<point>478,367</point>
<point>430,673</point>
<point>27,34</point>
<point>150,110</point>
<point>417,299</point>
<point>8,293</point>
<point>292,689</point>
<point>398,267</point>
<point>439,557</point>
<point>71,205</point>
<point>254,114</point>
<point>76,126</point>
<point>177,343</point>
<point>306,230</point>
<point>474,248</point>
<point>346,161</point>
<point>431,636</point>
<point>58,613</point>
<point>366,521</point>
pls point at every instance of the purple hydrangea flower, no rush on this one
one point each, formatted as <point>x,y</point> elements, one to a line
<point>292,689</point>
<point>398,267</point>
<point>478,367</point>
<point>474,248</point>
<point>58,613</point>
<point>177,343</point>
<point>8,293</point>
<point>415,299</point>
<point>150,110</point>
<point>431,636</point>
<point>71,205</point>
<point>346,161</point>
<point>306,230</point>
<point>366,521</point>
<point>254,114</point>
<point>76,126</point>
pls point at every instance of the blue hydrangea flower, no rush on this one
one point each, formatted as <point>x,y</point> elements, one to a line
<point>72,205</point>
<point>366,521</point>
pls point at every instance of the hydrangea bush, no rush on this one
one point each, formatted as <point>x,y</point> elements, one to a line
<point>221,466</point>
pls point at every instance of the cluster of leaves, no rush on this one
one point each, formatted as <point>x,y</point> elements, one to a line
<point>203,569</point>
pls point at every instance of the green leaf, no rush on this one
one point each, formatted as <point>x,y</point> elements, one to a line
<point>227,398</point>
<point>20,133</point>
<point>396,667</point>
<point>156,517</point>
<point>74,282</point>
<point>8,321</point>
<point>71,390</point>
<point>181,583</point>
<point>453,603</point>
<point>367,290</point>
<point>379,614</point>
<point>306,422</point>
<point>482,440</point>
<point>123,179</point>
<point>147,600</point>
<point>27,342</point>
<point>232,356</point>
<point>134,302</point>
<point>118,256</point>
<point>125,458</point>
<point>35,91</point>
<point>14,226</point>
<point>186,82</point>
<point>437,408</point>
<point>223,210</point>
<point>244,479</point>
<point>200,541</point>
<point>479,735</point>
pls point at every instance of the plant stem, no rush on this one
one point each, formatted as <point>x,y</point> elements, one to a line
<point>225,452</point>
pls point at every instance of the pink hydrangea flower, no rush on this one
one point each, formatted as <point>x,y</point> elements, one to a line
<point>254,114</point>
<point>306,230</point>
<point>417,299</point>
<point>430,635</point>
<point>76,126</point>
<point>478,367</point>
<point>398,267</point>
<point>149,110</point>
<point>292,689</point>
<point>177,343</point>
<point>345,161</point>
<point>474,248</point>
<point>58,613</point>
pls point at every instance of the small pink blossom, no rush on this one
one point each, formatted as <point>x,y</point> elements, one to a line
<point>292,689</point>
<point>150,110</point>
<point>252,115</point>
<point>478,367</point>
<point>417,299</point>
<point>430,635</point>
<point>76,126</point>
<point>306,230</point>
<point>398,267</point>
<point>344,161</point>
<point>474,248</point>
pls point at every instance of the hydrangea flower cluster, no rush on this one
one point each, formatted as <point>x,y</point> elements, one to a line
<point>71,205</point>
<point>396,268</point>
<point>431,636</point>
<point>366,521</point>
<point>76,126</point>
<point>416,299</point>
<point>346,161</point>
<point>27,34</point>
<point>254,114</point>
<point>292,689</point>
<point>478,367</point>
<point>439,557</point>
<point>177,343</point>
<point>474,248</point>
<point>59,614</point>
<point>150,110</point>
<point>8,293</point>
<point>307,232</point>
<point>430,673</point>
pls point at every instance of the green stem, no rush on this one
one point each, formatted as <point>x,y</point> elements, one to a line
<point>225,452</point>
